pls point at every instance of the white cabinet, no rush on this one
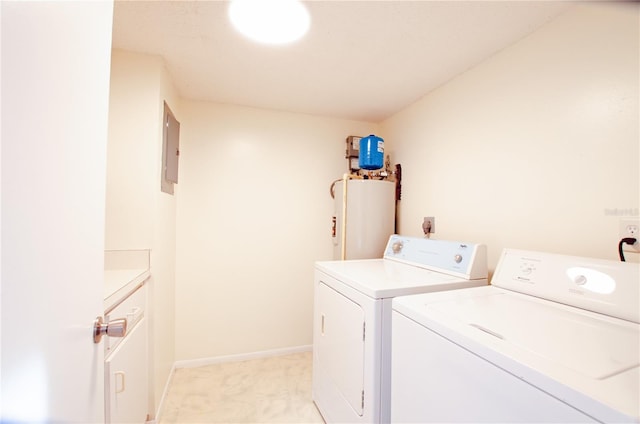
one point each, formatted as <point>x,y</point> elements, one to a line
<point>126,378</point>
<point>126,363</point>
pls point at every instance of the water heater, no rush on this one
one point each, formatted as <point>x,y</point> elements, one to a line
<point>364,218</point>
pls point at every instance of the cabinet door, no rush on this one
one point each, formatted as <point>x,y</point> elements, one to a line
<point>126,377</point>
<point>340,345</point>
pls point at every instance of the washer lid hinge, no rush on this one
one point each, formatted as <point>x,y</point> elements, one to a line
<point>364,324</point>
<point>363,399</point>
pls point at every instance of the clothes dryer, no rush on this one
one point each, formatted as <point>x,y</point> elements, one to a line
<point>352,319</point>
<point>555,338</point>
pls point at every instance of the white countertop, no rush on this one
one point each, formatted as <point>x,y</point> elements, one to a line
<point>125,271</point>
<point>119,283</point>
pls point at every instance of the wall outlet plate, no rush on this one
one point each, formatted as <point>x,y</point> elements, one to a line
<point>429,225</point>
<point>630,227</point>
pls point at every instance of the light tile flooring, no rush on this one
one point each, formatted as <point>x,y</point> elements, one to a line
<point>269,390</point>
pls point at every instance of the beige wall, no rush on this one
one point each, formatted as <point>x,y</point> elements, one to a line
<point>254,213</point>
<point>536,148</point>
<point>132,138</point>
<point>163,255</point>
<point>139,216</point>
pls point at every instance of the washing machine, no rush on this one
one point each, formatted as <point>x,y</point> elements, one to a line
<point>352,319</point>
<point>554,338</point>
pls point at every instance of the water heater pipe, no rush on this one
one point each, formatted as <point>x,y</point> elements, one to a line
<point>343,233</point>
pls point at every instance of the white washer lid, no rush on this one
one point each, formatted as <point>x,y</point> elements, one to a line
<point>576,355</point>
<point>585,343</point>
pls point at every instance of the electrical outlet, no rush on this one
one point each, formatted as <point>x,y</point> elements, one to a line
<point>630,228</point>
<point>429,225</point>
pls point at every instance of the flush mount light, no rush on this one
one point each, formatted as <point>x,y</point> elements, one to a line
<point>270,21</point>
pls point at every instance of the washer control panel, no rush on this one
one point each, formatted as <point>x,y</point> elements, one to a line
<point>457,258</point>
<point>599,285</point>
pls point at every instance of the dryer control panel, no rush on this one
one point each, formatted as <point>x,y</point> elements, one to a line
<point>468,260</point>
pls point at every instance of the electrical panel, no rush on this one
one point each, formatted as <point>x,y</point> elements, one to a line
<point>171,150</point>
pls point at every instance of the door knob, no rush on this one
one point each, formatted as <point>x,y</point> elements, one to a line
<point>113,328</point>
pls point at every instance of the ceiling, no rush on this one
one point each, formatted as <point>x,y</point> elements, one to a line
<point>361,60</point>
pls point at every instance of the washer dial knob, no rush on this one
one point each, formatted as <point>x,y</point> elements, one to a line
<point>580,280</point>
<point>458,258</point>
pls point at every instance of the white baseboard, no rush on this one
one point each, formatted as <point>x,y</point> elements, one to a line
<point>192,363</point>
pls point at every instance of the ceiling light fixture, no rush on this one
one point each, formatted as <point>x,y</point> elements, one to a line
<point>270,21</point>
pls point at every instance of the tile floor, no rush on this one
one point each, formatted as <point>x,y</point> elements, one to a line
<point>268,390</point>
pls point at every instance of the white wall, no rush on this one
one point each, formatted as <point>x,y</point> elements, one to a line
<point>254,213</point>
<point>139,216</point>
<point>536,148</point>
<point>163,256</point>
<point>131,150</point>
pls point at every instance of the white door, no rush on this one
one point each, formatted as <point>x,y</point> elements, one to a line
<point>55,92</point>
